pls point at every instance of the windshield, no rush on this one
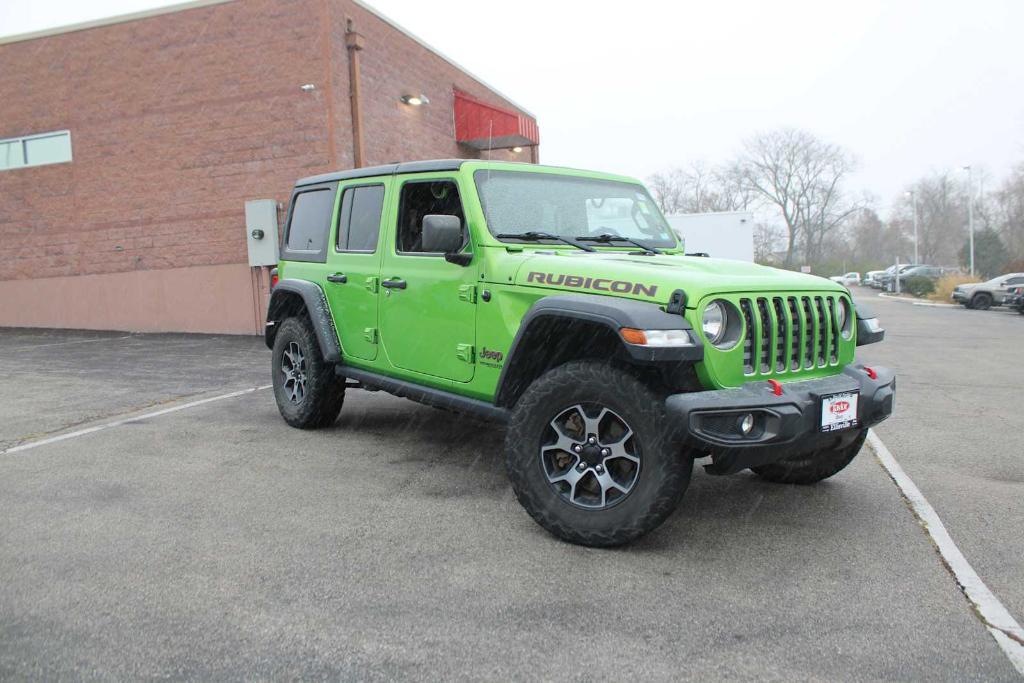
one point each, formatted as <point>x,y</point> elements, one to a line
<point>515,202</point>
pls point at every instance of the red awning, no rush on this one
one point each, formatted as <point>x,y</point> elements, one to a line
<point>485,126</point>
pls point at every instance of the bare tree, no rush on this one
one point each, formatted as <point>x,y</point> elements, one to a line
<point>1008,208</point>
<point>700,188</point>
<point>767,238</point>
<point>802,177</point>
<point>942,217</point>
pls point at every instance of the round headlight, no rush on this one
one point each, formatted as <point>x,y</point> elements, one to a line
<point>843,318</point>
<point>715,322</point>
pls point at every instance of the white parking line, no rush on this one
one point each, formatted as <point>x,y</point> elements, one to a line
<point>66,343</point>
<point>999,622</point>
<point>133,418</point>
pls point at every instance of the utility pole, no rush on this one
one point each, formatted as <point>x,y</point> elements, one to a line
<point>970,212</point>
<point>913,199</point>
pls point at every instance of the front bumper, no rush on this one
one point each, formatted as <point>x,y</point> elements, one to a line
<point>959,296</point>
<point>785,424</point>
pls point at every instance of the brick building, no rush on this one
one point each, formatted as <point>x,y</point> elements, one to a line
<point>129,146</point>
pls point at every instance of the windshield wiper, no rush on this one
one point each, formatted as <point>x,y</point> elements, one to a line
<point>607,238</point>
<point>534,236</point>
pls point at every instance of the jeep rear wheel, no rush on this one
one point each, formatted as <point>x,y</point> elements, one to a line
<point>810,468</point>
<point>588,455</point>
<point>308,393</point>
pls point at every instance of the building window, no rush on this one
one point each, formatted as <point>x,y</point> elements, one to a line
<point>35,150</point>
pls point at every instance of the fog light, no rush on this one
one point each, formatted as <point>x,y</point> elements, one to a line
<point>746,424</point>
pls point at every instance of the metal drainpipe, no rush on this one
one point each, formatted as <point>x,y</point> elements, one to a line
<point>354,43</point>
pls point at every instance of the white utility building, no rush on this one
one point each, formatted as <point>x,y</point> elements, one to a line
<point>725,234</point>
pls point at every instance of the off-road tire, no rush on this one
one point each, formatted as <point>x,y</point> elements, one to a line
<point>664,470</point>
<point>323,393</point>
<point>810,468</point>
<point>981,301</point>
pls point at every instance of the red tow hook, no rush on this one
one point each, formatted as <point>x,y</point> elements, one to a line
<point>871,373</point>
<point>776,387</point>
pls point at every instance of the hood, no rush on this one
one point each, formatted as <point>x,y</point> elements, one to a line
<point>654,278</point>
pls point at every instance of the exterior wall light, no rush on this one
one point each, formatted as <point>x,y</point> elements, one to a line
<point>517,150</point>
<point>415,100</point>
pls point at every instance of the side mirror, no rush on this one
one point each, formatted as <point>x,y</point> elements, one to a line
<point>443,234</point>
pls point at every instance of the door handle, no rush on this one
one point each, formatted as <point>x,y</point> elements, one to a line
<point>394,283</point>
<point>340,278</point>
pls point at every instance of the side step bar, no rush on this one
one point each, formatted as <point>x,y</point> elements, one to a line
<point>426,395</point>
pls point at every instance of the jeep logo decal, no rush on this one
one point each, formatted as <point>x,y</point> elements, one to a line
<point>598,284</point>
<point>491,358</point>
<point>840,407</point>
<point>491,354</point>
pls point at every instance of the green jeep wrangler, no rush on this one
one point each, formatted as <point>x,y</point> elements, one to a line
<point>559,302</point>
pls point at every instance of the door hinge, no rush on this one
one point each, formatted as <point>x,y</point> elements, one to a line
<point>464,352</point>
<point>372,282</point>
<point>467,293</point>
<point>370,334</point>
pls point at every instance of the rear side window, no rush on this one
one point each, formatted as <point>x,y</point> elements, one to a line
<point>359,219</point>
<point>309,224</point>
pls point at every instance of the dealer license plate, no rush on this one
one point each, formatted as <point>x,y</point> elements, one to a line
<point>839,411</point>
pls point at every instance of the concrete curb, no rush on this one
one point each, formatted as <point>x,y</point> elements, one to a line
<point>915,302</point>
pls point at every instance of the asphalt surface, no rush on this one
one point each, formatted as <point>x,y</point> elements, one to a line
<point>217,543</point>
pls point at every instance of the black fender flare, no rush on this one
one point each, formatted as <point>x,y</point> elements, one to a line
<point>608,312</point>
<point>319,312</point>
<point>867,332</point>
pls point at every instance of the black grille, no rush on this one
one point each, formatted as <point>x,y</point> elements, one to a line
<point>789,334</point>
<point>748,340</point>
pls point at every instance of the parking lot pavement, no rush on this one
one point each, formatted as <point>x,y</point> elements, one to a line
<point>218,542</point>
<point>958,427</point>
<point>55,379</point>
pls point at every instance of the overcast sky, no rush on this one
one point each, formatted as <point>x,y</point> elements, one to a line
<point>635,87</point>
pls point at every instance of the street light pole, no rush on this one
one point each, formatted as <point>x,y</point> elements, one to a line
<point>970,212</point>
<point>913,200</point>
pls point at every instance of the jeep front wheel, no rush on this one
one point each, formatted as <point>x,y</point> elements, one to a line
<point>589,458</point>
<point>308,393</point>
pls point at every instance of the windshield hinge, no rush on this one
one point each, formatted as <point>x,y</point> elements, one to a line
<point>676,303</point>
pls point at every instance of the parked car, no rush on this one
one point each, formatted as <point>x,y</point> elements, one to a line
<point>888,278</point>
<point>984,295</point>
<point>847,280</point>
<point>930,272</point>
<point>871,278</point>
<point>1015,299</point>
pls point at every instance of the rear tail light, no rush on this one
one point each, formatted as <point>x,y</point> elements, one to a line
<point>273,278</point>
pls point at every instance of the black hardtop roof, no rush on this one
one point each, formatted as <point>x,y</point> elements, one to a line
<point>387,169</point>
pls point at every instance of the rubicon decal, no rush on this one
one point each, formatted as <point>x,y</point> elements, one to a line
<point>598,284</point>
